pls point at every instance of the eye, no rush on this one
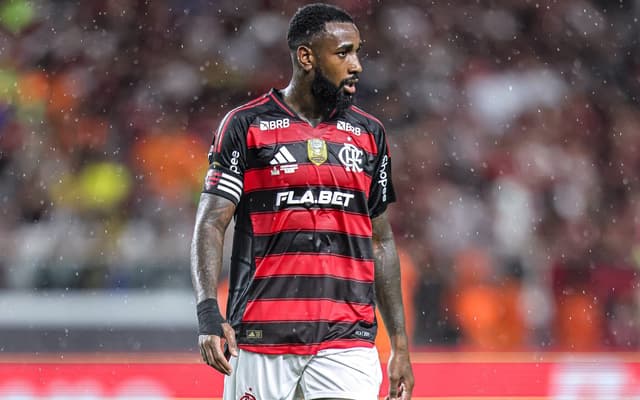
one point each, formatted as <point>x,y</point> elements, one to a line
<point>342,54</point>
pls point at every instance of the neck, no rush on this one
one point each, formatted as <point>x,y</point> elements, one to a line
<point>299,98</point>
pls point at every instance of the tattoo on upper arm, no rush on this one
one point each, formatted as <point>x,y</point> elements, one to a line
<point>215,210</point>
<point>381,229</point>
<point>212,219</point>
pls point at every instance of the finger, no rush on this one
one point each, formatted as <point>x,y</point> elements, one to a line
<point>215,354</point>
<point>408,382</point>
<point>230,335</point>
<point>393,388</point>
<point>408,388</point>
<point>208,345</point>
<point>203,354</point>
<point>402,393</point>
<point>221,361</point>
<point>209,358</point>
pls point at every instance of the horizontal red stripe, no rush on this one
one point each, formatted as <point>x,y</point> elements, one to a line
<point>306,264</point>
<point>307,174</point>
<point>306,349</point>
<point>108,381</point>
<point>301,132</point>
<point>317,219</point>
<point>492,379</point>
<point>538,375</point>
<point>306,310</point>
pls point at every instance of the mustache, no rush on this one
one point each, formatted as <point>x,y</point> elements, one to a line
<point>353,79</point>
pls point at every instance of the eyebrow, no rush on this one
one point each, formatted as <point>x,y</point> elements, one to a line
<point>348,46</point>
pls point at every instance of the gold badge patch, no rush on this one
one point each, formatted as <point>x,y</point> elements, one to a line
<point>317,151</point>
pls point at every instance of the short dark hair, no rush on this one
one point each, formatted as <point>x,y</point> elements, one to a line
<point>310,20</point>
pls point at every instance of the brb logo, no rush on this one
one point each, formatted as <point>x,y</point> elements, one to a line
<point>347,127</point>
<point>351,157</point>
<point>276,124</point>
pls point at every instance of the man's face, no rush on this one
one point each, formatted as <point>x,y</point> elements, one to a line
<point>337,65</point>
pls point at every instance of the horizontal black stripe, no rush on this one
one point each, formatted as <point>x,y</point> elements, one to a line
<point>319,242</point>
<point>311,287</point>
<point>278,199</point>
<point>303,332</point>
<point>240,274</point>
<point>261,157</point>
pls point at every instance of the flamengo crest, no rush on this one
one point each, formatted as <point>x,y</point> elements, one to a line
<point>248,396</point>
<point>351,157</point>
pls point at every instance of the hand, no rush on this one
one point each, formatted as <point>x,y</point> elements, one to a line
<point>400,376</point>
<point>212,350</point>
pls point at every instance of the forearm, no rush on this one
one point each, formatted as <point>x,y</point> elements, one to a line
<point>212,219</point>
<point>387,283</point>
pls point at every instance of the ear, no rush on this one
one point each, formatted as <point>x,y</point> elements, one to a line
<point>305,57</point>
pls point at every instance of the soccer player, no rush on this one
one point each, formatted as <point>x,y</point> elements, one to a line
<point>307,177</point>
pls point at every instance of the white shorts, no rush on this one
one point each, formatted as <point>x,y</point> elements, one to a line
<point>333,373</point>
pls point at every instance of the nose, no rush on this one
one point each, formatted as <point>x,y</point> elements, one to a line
<point>355,67</point>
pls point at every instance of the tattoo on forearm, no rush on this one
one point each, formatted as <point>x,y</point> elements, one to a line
<point>387,277</point>
<point>213,217</point>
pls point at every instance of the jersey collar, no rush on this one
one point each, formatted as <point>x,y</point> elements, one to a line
<point>279,100</point>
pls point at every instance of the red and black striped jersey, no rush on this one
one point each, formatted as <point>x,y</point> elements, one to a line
<point>302,269</point>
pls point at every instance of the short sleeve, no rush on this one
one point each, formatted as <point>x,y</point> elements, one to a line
<point>381,192</point>
<point>227,159</point>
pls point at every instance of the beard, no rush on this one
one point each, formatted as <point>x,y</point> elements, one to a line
<point>328,95</point>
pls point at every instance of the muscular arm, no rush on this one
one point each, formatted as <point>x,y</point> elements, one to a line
<point>387,278</point>
<point>389,302</point>
<point>212,219</point>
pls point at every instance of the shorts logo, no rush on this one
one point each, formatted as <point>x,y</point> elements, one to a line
<point>317,151</point>
<point>351,157</point>
<point>347,127</point>
<point>247,396</point>
<point>276,124</point>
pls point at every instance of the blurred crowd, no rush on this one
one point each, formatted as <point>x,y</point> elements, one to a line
<point>514,126</point>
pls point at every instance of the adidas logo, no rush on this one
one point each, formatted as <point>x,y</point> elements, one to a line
<point>286,161</point>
